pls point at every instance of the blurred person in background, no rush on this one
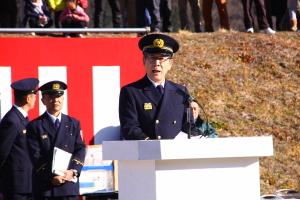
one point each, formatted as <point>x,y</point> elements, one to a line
<point>100,10</point>
<point>147,18</point>
<point>73,16</point>
<point>165,15</point>
<point>154,11</point>
<point>279,8</point>
<point>8,13</point>
<point>288,21</point>
<point>56,6</point>
<point>203,126</point>
<point>262,20</point>
<point>292,9</point>
<point>269,12</point>
<point>128,13</point>
<point>37,14</point>
<point>195,7</point>
<point>207,14</point>
<point>84,4</point>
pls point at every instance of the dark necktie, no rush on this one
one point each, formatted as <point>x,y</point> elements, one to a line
<point>56,123</point>
<point>160,89</point>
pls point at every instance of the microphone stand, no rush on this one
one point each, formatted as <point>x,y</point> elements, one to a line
<point>187,99</point>
<point>187,102</point>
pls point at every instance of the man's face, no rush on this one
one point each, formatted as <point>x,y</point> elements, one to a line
<point>53,103</point>
<point>31,100</point>
<point>195,108</point>
<point>157,66</point>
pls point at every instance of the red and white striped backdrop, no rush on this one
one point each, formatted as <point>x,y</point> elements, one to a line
<point>94,68</point>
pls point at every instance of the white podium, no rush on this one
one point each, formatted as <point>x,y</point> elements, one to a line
<point>204,169</point>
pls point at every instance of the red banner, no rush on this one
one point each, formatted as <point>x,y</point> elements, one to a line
<point>79,61</point>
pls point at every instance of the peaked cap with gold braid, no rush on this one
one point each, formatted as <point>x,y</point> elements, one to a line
<point>53,88</point>
<point>25,86</point>
<point>158,44</point>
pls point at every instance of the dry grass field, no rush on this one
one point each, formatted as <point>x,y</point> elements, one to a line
<point>249,85</point>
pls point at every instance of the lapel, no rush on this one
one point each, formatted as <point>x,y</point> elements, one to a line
<point>48,125</point>
<point>167,98</point>
<point>63,130</point>
<point>23,120</point>
<point>150,91</point>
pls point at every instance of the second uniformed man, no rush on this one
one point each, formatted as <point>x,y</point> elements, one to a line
<point>150,108</point>
<point>54,129</point>
<point>15,166</point>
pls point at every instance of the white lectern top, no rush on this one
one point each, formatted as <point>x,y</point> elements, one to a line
<point>188,149</point>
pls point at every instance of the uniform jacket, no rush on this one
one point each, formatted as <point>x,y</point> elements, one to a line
<point>15,165</point>
<point>143,115</point>
<point>81,15</point>
<point>42,137</point>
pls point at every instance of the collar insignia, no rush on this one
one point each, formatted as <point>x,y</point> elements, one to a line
<point>147,106</point>
<point>44,136</point>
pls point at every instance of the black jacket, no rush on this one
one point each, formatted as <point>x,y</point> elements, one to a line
<point>15,164</point>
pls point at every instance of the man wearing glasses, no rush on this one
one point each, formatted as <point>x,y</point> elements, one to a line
<point>150,108</point>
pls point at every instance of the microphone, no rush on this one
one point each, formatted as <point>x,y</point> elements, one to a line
<point>185,95</point>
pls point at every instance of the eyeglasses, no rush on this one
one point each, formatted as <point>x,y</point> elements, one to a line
<point>160,59</point>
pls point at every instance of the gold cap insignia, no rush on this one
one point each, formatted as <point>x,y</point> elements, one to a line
<point>158,43</point>
<point>55,86</point>
<point>147,106</point>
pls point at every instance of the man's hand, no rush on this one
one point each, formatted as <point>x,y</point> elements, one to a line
<point>68,174</point>
<point>57,180</point>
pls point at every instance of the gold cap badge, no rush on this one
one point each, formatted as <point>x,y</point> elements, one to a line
<point>158,43</point>
<point>55,86</point>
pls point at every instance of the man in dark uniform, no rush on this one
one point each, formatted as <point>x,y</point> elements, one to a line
<point>150,108</point>
<point>15,166</point>
<point>54,129</point>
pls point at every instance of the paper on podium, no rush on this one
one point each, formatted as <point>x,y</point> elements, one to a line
<point>61,160</point>
<point>182,136</point>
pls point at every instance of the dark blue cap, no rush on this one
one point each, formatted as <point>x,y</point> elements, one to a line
<point>26,86</point>
<point>158,44</point>
<point>53,88</point>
